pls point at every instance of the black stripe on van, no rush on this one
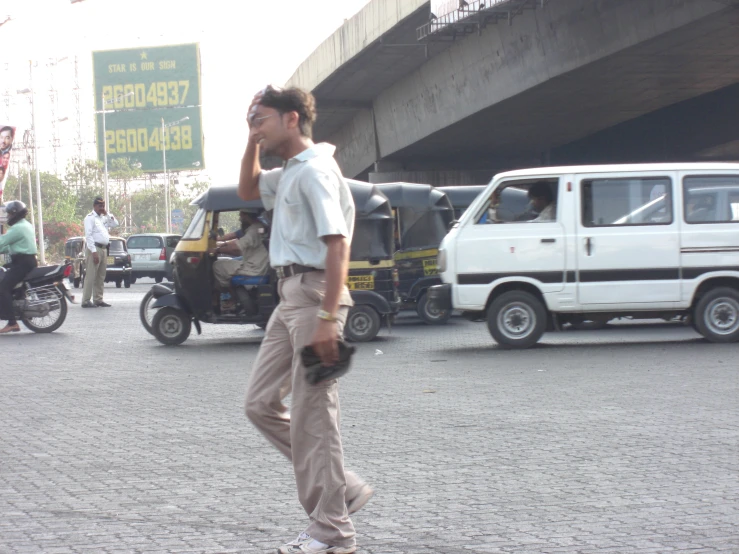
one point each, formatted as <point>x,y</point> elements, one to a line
<point>642,274</point>
<point>597,276</point>
<point>486,278</point>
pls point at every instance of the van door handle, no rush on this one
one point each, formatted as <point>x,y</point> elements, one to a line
<point>588,246</point>
<point>549,240</point>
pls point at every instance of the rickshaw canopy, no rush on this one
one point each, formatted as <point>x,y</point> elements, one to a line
<point>423,214</point>
<point>225,198</point>
<point>373,223</point>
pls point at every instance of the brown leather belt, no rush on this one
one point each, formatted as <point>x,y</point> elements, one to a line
<point>284,271</point>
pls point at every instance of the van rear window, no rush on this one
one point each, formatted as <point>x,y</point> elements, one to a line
<point>144,242</point>
<point>630,201</point>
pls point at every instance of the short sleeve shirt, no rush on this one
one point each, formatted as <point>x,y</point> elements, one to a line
<point>255,259</point>
<point>311,200</point>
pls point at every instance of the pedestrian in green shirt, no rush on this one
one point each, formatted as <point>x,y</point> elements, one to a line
<point>20,243</point>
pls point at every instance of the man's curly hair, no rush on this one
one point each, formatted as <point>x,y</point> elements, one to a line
<point>293,100</point>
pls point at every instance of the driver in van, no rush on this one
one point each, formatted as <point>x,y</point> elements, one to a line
<point>542,200</point>
<point>246,242</point>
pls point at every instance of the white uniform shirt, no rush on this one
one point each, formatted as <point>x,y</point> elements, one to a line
<point>311,200</point>
<point>547,214</point>
<point>96,229</point>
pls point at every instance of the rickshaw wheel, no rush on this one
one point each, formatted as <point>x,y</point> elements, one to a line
<point>171,326</point>
<point>429,315</point>
<point>362,324</point>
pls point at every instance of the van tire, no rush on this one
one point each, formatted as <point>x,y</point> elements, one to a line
<point>429,316</point>
<point>362,324</point>
<point>517,319</point>
<point>716,315</point>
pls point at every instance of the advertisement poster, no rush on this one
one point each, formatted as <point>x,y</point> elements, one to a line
<point>147,102</point>
<point>7,134</point>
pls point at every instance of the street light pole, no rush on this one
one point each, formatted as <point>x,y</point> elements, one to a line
<point>105,141</point>
<point>40,220</point>
<point>168,215</point>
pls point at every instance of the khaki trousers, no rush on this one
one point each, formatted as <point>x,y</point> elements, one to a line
<point>309,433</point>
<point>94,276</point>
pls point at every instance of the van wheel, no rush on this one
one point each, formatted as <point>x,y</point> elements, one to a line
<point>118,284</point>
<point>158,279</point>
<point>362,324</point>
<point>716,315</point>
<point>517,319</point>
<point>127,282</point>
<point>171,326</point>
<point>432,316</point>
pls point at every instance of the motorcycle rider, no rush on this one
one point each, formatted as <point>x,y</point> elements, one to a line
<point>20,243</point>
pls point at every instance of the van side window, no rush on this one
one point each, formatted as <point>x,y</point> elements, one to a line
<point>530,201</point>
<point>711,199</point>
<point>632,201</point>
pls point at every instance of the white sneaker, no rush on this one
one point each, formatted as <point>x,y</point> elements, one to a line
<point>358,502</point>
<point>316,547</point>
<point>293,547</point>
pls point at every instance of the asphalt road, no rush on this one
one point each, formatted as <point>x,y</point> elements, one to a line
<point>620,440</point>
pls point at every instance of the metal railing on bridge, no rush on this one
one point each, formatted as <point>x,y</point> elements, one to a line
<point>473,17</point>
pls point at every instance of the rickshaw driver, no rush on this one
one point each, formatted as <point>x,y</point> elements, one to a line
<point>246,242</point>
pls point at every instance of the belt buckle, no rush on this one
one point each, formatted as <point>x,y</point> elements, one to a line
<point>280,272</point>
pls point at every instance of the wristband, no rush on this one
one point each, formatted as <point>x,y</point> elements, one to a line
<point>324,315</point>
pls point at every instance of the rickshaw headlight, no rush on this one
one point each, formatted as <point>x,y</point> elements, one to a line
<point>441,261</point>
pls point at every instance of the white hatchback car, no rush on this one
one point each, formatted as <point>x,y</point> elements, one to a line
<point>150,254</point>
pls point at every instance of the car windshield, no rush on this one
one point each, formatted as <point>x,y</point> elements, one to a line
<point>144,242</point>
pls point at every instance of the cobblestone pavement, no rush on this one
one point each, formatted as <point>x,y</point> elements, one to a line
<point>621,440</point>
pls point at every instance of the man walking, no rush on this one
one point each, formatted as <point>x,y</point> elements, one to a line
<point>309,249</point>
<point>97,239</point>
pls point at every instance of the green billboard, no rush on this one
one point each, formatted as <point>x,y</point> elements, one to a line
<point>138,88</point>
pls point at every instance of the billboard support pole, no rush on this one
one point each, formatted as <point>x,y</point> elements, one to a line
<point>168,215</point>
<point>166,182</point>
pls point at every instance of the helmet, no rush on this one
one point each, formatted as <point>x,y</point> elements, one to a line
<point>15,210</point>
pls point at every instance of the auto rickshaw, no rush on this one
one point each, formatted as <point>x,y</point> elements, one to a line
<point>462,196</point>
<point>373,278</point>
<point>170,313</point>
<point>74,254</point>
<point>422,217</point>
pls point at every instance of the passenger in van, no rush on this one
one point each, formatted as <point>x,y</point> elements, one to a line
<point>700,209</point>
<point>542,201</point>
<point>247,243</point>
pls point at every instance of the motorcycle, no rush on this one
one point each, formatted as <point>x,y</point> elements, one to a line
<point>40,300</point>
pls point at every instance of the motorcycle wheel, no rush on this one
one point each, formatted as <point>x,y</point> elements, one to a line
<point>50,322</point>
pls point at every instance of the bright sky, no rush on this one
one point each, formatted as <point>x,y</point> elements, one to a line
<point>244,44</point>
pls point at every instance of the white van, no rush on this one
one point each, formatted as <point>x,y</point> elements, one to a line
<point>594,243</point>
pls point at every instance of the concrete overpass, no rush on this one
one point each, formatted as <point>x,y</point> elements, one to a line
<point>568,81</point>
